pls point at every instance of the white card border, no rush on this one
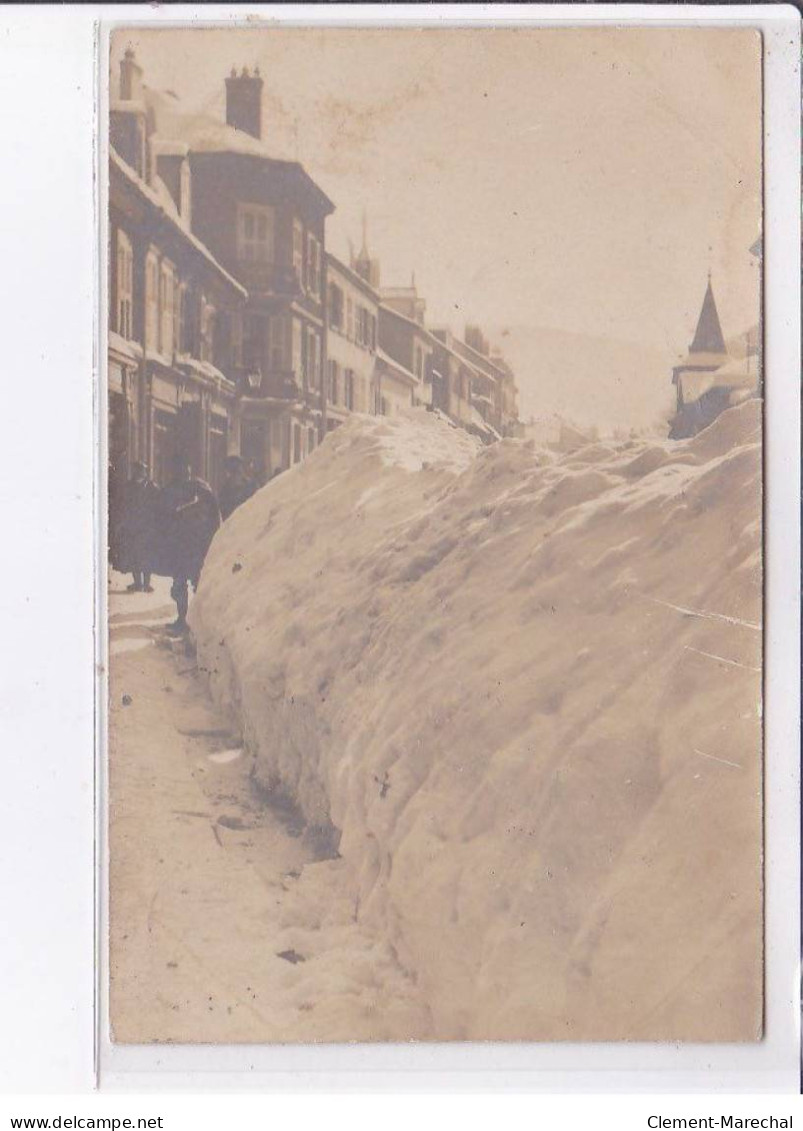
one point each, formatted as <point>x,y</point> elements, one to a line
<point>47,1038</point>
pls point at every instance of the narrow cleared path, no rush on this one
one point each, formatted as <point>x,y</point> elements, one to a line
<point>223,925</point>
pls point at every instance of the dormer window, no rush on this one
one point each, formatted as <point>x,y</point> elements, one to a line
<point>255,232</point>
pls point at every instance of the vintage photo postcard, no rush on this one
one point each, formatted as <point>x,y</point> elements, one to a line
<point>434,407</point>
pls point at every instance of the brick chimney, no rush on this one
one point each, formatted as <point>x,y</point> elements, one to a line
<point>130,77</point>
<point>244,101</point>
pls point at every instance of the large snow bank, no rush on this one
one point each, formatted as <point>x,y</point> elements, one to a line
<point>524,689</point>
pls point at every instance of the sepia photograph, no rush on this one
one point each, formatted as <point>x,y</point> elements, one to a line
<point>433,418</point>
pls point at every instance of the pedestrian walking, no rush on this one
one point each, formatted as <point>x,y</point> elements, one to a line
<point>189,517</point>
<point>238,485</point>
<point>256,473</point>
<point>134,526</point>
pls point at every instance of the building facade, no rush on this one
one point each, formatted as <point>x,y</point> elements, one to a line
<point>451,379</point>
<point>172,388</point>
<point>264,220</point>
<point>485,381</point>
<point>403,372</point>
<point>352,339</point>
<point>231,329</point>
<point>508,393</point>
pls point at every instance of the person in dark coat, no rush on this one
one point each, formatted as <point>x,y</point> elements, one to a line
<point>189,517</point>
<point>115,504</point>
<point>238,486</point>
<point>136,505</point>
<point>257,473</point>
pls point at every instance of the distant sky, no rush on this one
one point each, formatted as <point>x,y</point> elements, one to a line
<point>579,179</point>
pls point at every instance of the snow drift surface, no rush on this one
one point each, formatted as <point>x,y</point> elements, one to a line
<point>522,688</point>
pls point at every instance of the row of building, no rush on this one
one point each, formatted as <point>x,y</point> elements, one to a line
<point>232,328</point>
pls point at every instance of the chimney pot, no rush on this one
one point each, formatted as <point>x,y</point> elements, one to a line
<point>244,102</point>
<point>130,76</point>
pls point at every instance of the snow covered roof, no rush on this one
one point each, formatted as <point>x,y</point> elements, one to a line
<point>445,343</point>
<point>159,196</point>
<point>475,358</point>
<point>465,354</point>
<point>735,375</point>
<point>422,330</point>
<point>203,133</point>
<point>204,368</point>
<point>339,267</point>
<point>399,370</point>
<point>200,131</point>
<point>702,360</point>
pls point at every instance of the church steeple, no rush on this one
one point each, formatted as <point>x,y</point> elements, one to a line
<point>366,267</point>
<point>708,336</point>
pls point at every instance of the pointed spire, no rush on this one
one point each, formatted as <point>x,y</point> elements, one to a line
<point>708,337</point>
<point>362,264</point>
<point>366,267</point>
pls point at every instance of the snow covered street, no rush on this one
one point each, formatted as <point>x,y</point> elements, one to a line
<point>474,709</point>
<point>217,897</point>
